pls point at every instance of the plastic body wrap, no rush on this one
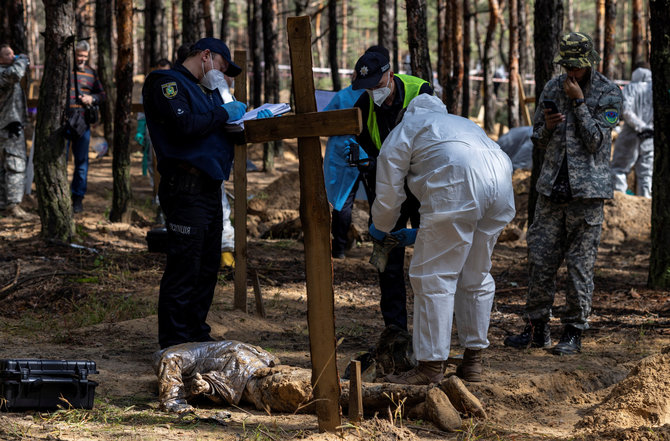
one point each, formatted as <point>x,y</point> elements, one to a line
<point>218,370</point>
<point>518,146</point>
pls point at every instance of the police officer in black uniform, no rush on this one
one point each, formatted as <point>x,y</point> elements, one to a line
<point>185,116</point>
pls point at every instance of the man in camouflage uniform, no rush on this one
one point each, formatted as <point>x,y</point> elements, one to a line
<point>12,140</point>
<point>573,184</point>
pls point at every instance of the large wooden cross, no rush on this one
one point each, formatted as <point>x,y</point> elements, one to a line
<point>306,125</point>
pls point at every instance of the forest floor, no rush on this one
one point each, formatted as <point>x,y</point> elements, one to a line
<point>98,302</point>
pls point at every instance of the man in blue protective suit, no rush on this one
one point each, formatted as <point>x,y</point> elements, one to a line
<point>341,178</point>
<point>387,95</point>
<point>185,115</point>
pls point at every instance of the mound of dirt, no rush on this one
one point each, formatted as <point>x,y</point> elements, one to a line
<point>627,217</point>
<point>641,399</point>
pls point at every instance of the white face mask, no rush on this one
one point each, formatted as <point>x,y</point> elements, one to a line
<point>224,90</point>
<point>380,95</point>
<point>213,78</point>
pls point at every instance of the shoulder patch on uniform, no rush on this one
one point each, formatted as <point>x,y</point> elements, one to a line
<point>612,116</point>
<point>169,89</point>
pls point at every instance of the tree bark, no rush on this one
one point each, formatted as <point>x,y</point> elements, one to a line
<point>570,15</point>
<point>457,69</point>
<point>175,28</point>
<point>255,20</point>
<point>332,44</point>
<point>152,32</point>
<point>386,25</point>
<point>417,39</point>
<point>659,262</point>
<point>103,32</point>
<point>191,29</point>
<point>444,48</point>
<point>53,191</point>
<point>225,19</point>
<point>207,18</point>
<point>467,36</point>
<point>599,32</point>
<point>122,194</point>
<point>609,52</point>
<point>488,63</point>
<point>12,26</point>
<point>637,54</point>
<point>513,69</point>
<point>525,57</point>
<point>548,29</point>
<point>271,78</point>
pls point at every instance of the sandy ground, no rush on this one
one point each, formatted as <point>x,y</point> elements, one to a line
<point>99,303</point>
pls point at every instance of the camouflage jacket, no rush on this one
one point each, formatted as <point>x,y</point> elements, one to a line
<point>585,134</point>
<point>12,98</point>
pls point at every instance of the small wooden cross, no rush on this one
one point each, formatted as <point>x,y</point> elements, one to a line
<point>307,125</point>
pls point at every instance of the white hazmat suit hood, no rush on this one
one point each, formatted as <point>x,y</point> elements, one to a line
<point>463,181</point>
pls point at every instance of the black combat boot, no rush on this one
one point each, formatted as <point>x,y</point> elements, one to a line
<point>77,203</point>
<point>570,343</point>
<point>536,334</point>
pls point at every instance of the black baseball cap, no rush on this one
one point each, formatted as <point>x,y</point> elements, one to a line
<point>218,46</point>
<point>369,70</point>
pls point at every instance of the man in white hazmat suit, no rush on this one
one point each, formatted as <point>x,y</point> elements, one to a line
<point>634,147</point>
<point>463,181</point>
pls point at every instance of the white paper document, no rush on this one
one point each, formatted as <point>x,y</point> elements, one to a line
<point>276,109</point>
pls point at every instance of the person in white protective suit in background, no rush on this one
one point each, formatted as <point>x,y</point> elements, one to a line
<point>464,183</point>
<point>634,147</point>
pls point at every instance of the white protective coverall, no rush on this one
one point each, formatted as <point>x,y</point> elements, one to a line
<point>629,150</point>
<point>464,183</point>
<point>228,232</point>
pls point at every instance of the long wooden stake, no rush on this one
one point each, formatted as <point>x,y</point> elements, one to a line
<point>355,392</point>
<point>240,203</point>
<point>315,218</point>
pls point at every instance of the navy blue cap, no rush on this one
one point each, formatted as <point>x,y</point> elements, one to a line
<point>218,46</point>
<point>369,70</point>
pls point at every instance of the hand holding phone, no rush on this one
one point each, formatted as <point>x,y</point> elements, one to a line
<point>551,105</point>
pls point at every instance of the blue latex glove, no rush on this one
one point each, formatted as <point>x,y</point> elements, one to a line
<point>376,234</point>
<point>141,129</point>
<point>405,236</point>
<point>235,110</point>
<point>265,113</point>
<point>350,148</point>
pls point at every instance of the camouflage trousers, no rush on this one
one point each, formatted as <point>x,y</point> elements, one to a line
<point>12,168</point>
<point>569,232</point>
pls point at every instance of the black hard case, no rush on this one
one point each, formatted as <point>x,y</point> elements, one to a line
<point>40,384</point>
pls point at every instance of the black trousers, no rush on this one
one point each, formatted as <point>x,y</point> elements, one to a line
<point>192,207</point>
<point>393,303</point>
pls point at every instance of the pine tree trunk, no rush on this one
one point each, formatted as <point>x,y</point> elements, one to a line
<point>599,32</point>
<point>332,44</point>
<point>191,29</point>
<point>457,66</point>
<point>417,36</point>
<point>548,29</point>
<point>152,32</point>
<point>385,24</point>
<point>255,20</point>
<point>524,48</point>
<point>659,261</point>
<point>570,15</point>
<point>271,79</point>
<point>636,37</point>
<point>53,191</point>
<point>12,26</point>
<point>103,32</point>
<point>207,18</point>
<point>467,36</point>
<point>488,64</point>
<point>176,34</point>
<point>345,32</point>
<point>225,19</point>
<point>513,85</point>
<point>122,194</point>
<point>609,52</point>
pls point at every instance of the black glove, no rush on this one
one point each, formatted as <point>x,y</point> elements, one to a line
<point>645,134</point>
<point>14,129</point>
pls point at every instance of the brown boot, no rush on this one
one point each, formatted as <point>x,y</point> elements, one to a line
<point>471,366</point>
<point>17,212</point>
<point>427,372</point>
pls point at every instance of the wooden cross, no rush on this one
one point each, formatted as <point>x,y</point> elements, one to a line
<point>306,125</point>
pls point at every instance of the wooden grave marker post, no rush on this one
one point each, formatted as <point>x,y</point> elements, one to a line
<point>307,126</point>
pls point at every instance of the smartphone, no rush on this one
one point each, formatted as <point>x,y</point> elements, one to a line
<point>551,105</point>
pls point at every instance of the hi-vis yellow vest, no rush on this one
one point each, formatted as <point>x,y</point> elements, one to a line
<point>412,86</point>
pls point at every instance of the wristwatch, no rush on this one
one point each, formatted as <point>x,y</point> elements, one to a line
<point>577,102</point>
